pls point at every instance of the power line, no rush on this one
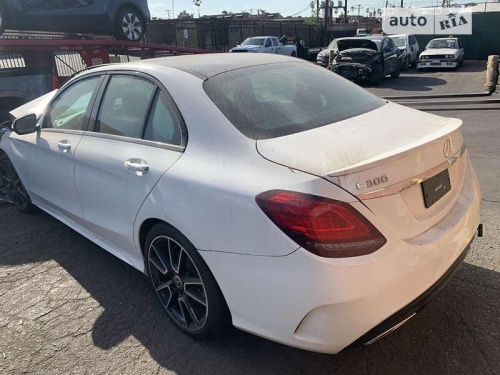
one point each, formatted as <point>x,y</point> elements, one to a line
<point>303,10</point>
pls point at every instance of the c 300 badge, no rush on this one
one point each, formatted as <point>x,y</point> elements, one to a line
<point>372,183</point>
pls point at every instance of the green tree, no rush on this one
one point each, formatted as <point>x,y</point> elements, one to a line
<point>185,15</point>
<point>314,20</point>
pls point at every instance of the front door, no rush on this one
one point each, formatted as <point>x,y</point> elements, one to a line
<point>51,150</point>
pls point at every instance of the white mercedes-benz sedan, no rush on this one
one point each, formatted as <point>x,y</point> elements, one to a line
<point>256,191</point>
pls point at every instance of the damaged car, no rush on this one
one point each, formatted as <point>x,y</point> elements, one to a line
<point>368,58</point>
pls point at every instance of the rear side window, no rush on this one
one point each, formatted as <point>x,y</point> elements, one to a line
<point>269,101</point>
<point>163,125</point>
<point>124,107</point>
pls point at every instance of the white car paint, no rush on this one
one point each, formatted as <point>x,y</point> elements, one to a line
<point>270,44</point>
<point>410,50</point>
<point>273,287</point>
<point>441,57</point>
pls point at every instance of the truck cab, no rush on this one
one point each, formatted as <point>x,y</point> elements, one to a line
<point>265,44</point>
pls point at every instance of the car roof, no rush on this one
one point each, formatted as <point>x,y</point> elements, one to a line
<point>444,38</point>
<point>207,65</point>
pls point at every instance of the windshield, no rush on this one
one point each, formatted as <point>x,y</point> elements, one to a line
<point>274,100</point>
<point>399,41</point>
<point>442,43</point>
<point>253,42</point>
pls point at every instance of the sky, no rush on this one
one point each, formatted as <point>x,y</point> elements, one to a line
<point>159,8</point>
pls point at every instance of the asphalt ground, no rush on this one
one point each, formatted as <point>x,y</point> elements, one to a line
<point>67,306</point>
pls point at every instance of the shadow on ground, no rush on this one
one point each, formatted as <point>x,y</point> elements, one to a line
<point>409,83</point>
<point>457,333</point>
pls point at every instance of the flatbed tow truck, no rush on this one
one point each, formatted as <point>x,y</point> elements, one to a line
<point>33,63</point>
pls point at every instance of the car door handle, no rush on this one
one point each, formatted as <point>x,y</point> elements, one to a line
<point>137,166</point>
<point>64,145</point>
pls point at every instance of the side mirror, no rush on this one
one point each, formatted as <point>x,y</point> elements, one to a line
<point>25,125</point>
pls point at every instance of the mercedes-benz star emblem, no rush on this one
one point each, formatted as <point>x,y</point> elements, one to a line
<point>447,149</point>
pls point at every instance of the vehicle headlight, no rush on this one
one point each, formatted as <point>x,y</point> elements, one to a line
<point>450,56</point>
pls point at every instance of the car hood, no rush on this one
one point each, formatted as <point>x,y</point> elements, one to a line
<point>36,106</point>
<point>439,51</point>
<point>356,44</point>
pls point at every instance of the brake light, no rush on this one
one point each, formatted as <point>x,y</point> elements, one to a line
<point>323,226</point>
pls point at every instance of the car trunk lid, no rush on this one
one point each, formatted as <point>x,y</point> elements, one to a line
<point>382,158</point>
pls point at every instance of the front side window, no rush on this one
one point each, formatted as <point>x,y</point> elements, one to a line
<point>68,110</point>
<point>124,107</point>
<point>274,100</point>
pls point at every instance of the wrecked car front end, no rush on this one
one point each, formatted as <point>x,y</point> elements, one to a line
<point>355,64</point>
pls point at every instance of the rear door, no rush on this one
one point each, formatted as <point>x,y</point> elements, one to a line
<point>136,137</point>
<point>63,15</point>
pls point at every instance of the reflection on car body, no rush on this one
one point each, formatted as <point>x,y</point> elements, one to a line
<point>256,185</point>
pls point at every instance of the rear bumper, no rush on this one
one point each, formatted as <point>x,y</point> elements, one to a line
<point>403,315</point>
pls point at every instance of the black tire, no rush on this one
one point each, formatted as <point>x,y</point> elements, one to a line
<point>377,75</point>
<point>198,309</point>
<point>461,62</point>
<point>397,72</point>
<point>293,54</point>
<point>12,188</point>
<point>129,25</point>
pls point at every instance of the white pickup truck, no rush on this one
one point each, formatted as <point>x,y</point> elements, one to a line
<point>265,44</point>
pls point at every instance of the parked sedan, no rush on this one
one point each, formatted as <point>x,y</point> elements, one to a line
<point>258,191</point>
<point>442,53</point>
<point>125,19</point>
<point>368,58</point>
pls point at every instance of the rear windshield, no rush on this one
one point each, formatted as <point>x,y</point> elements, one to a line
<point>269,101</point>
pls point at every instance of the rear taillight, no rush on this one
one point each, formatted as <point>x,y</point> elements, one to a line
<point>323,226</point>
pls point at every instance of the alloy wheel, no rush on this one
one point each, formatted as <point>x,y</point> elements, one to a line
<point>11,186</point>
<point>178,283</point>
<point>132,26</point>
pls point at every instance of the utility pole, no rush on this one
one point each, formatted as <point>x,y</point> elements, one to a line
<point>345,12</point>
<point>173,10</point>
<point>326,14</point>
<point>401,3</point>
